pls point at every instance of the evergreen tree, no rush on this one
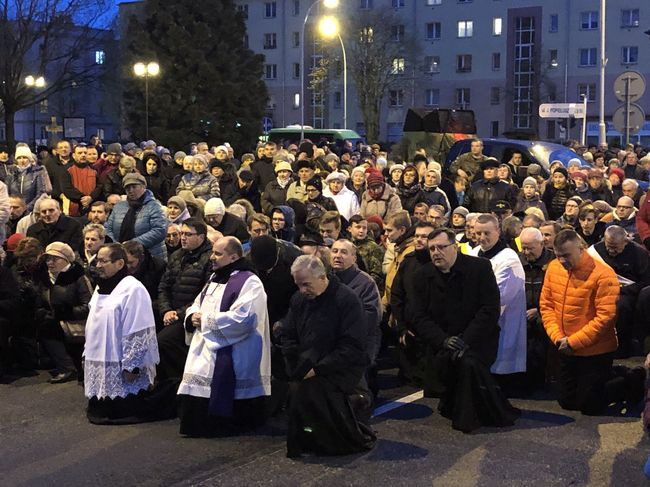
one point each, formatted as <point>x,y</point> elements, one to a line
<point>210,84</point>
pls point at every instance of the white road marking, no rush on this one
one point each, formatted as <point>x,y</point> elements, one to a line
<point>398,403</point>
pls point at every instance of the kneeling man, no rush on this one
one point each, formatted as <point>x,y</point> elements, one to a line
<point>228,367</point>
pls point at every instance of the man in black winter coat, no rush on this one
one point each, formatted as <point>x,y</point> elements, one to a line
<point>187,271</point>
<point>457,315</point>
<point>403,292</point>
<point>148,270</point>
<point>483,193</point>
<point>323,342</point>
<point>54,226</point>
<point>264,169</point>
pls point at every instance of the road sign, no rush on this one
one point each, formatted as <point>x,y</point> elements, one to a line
<point>637,118</point>
<point>267,123</point>
<point>561,110</point>
<point>629,85</point>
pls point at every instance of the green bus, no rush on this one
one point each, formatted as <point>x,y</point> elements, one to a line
<point>291,135</point>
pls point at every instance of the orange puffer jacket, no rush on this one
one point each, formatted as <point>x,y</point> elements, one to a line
<point>581,305</point>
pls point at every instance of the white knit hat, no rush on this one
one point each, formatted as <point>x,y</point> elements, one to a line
<point>214,206</point>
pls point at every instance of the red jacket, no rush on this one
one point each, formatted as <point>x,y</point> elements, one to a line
<point>643,220</point>
<point>84,179</point>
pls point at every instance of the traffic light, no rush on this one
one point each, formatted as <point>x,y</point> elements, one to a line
<point>572,123</point>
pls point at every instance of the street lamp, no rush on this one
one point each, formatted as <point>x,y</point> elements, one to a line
<point>143,70</point>
<point>329,28</point>
<point>602,128</point>
<point>329,4</point>
<point>34,82</point>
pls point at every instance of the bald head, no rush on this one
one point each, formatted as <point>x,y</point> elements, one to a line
<point>625,207</point>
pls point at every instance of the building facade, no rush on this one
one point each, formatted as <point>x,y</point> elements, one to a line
<point>500,58</point>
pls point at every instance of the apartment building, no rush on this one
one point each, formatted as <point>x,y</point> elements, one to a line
<point>500,58</point>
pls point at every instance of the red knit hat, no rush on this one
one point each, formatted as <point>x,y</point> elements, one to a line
<point>618,171</point>
<point>375,179</point>
<point>13,241</point>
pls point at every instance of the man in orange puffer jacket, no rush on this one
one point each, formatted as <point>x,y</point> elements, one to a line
<point>578,307</point>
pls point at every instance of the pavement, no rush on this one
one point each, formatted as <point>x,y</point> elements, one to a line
<point>46,440</point>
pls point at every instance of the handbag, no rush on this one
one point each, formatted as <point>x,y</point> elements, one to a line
<point>74,331</point>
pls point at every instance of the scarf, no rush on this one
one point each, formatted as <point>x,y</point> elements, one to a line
<point>407,192</point>
<point>127,229</point>
<point>283,182</point>
<point>106,286</point>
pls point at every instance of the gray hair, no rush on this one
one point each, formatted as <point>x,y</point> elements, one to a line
<point>616,233</point>
<point>310,264</point>
<point>95,227</point>
<point>533,233</point>
<point>471,217</point>
<point>238,210</point>
<point>633,183</point>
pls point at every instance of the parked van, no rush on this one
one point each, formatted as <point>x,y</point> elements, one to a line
<point>291,135</point>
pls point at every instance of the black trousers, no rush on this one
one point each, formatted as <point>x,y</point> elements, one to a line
<point>173,353</point>
<point>587,384</point>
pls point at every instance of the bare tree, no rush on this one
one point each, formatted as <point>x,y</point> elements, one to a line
<point>56,39</point>
<point>380,50</point>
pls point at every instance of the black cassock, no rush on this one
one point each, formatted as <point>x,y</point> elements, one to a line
<point>328,413</point>
<point>464,303</point>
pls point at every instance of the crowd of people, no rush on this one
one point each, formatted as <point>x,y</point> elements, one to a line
<point>225,290</point>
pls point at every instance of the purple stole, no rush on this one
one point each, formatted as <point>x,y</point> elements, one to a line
<point>222,394</point>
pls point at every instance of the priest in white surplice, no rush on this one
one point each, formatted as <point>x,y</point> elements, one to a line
<point>121,351</point>
<point>228,368</point>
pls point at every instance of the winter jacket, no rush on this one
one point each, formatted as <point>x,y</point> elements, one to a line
<point>596,236</point>
<point>264,171</point>
<point>603,193</point>
<point>251,194</point>
<point>384,207</point>
<point>400,250</point>
<point>643,221</point>
<point>233,226</point>
<point>273,195</point>
<point>103,168</point>
<point>555,199</point>
<point>410,196</point>
<point>6,168</point>
<point>524,203</point>
<point>636,172</point>
<point>535,272</point>
<point>372,255</point>
<point>483,193</point>
<point>157,184</point>
<point>468,163</point>
<point>435,196</point>
<point>228,186</point>
<point>66,230</point>
<point>61,179</point>
<point>404,289</point>
<point>203,185</point>
<point>85,179</point>
<point>633,264</point>
<point>28,183</point>
<point>187,272</point>
<point>113,184</point>
<point>66,299</point>
<point>150,225</point>
<point>346,202</point>
<point>297,191</point>
<point>581,305</point>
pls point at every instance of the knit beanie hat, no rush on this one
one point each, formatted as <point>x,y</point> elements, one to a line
<point>214,206</point>
<point>178,201</point>
<point>316,182</point>
<point>22,151</point>
<point>562,170</point>
<point>461,210</point>
<point>530,182</point>
<point>534,170</point>
<point>375,179</point>
<point>618,171</point>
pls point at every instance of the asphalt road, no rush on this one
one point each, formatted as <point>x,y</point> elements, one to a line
<point>46,440</point>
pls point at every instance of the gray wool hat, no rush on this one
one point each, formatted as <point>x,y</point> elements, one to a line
<point>114,148</point>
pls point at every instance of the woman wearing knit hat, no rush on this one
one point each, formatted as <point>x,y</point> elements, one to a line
<point>557,193</point>
<point>177,211</point>
<point>275,192</point>
<point>200,182</point>
<point>616,177</point>
<point>529,197</point>
<point>26,179</point>
<point>379,199</point>
<point>357,181</point>
<point>395,174</point>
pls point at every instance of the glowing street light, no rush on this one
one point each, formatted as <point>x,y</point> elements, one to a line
<point>329,28</point>
<point>34,82</point>
<point>143,70</point>
<point>328,4</point>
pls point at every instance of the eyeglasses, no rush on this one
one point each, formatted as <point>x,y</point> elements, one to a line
<point>188,234</point>
<point>440,248</point>
<point>622,207</point>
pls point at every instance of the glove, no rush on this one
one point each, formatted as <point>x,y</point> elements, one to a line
<point>454,343</point>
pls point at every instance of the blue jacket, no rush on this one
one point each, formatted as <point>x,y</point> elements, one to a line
<point>150,225</point>
<point>28,183</point>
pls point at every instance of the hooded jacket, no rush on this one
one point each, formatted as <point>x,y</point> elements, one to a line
<point>288,233</point>
<point>384,207</point>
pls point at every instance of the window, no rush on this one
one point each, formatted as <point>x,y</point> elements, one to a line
<point>398,3</point>
<point>338,99</point>
<point>550,129</point>
<point>588,20</point>
<point>588,56</point>
<point>434,2</point>
<point>296,39</point>
<point>496,61</point>
<point>270,9</point>
<point>270,71</point>
<point>497,26</point>
<point>494,128</point>
<point>495,95</point>
<point>433,30</point>
<point>270,41</point>
<point>588,89</point>
<point>464,1</point>
<point>630,55</point>
<point>366,36</point>
<point>43,106</point>
<point>462,97</point>
<point>296,70</point>
<point>630,17</point>
<point>554,23</point>
<point>296,7</point>
<point>432,97</point>
<point>397,33</point>
<point>395,98</point>
<point>464,63</point>
<point>465,28</point>
<point>432,64</point>
<point>243,10</point>
<point>398,66</point>
<point>552,58</point>
<point>100,57</point>
<point>365,4</point>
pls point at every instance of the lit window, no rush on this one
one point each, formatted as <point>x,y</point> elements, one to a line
<point>497,26</point>
<point>100,57</point>
<point>465,28</point>
<point>398,66</point>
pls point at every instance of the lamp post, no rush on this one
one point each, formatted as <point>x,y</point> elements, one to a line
<point>143,70</point>
<point>34,82</point>
<point>602,128</point>
<point>329,4</point>
<point>329,27</point>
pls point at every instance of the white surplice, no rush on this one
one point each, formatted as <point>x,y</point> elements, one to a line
<point>120,336</point>
<point>245,326</point>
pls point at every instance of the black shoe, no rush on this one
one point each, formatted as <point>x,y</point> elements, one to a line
<point>634,385</point>
<point>63,377</point>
